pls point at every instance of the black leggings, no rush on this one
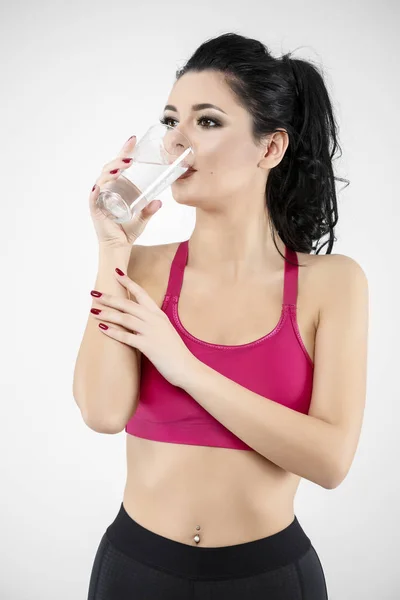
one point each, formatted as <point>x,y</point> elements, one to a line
<point>134,563</point>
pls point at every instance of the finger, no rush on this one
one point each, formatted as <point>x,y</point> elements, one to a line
<point>128,322</point>
<point>142,297</point>
<point>150,209</point>
<point>94,194</point>
<point>123,305</point>
<point>130,339</point>
<point>128,147</point>
<point>125,152</point>
<point>117,163</point>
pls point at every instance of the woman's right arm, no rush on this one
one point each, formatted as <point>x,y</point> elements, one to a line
<point>107,372</point>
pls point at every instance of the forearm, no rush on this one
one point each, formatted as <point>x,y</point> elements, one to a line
<point>296,442</point>
<point>106,372</point>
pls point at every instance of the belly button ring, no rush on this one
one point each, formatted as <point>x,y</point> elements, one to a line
<point>197,537</point>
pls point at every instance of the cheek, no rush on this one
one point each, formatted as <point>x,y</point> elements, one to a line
<point>228,155</point>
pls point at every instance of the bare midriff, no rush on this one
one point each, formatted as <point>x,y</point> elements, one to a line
<point>233,496</point>
<point>223,496</point>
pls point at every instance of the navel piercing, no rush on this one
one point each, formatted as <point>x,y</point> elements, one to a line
<point>197,537</point>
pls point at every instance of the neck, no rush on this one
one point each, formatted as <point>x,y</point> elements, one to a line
<point>234,249</point>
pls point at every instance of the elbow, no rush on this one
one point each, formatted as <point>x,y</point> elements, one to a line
<point>337,474</point>
<point>102,421</point>
<point>103,425</point>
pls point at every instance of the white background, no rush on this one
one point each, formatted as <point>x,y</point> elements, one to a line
<point>76,81</point>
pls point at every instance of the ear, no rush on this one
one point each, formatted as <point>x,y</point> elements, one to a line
<point>274,149</point>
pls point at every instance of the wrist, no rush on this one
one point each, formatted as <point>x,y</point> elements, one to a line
<point>111,247</point>
<point>115,257</point>
<point>191,372</point>
<point>111,251</point>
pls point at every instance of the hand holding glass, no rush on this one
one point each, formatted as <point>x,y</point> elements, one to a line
<point>160,157</point>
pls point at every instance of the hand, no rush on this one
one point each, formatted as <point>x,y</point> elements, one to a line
<point>110,233</point>
<point>148,329</point>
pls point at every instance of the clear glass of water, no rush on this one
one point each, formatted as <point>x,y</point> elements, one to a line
<point>160,157</point>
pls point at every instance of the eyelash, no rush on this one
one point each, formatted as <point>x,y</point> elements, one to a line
<point>165,120</point>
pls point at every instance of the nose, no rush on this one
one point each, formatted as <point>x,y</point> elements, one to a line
<point>179,139</point>
<point>175,143</point>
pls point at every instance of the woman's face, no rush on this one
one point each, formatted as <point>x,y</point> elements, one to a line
<point>225,155</point>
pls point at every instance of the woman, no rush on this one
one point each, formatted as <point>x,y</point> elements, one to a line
<point>233,371</point>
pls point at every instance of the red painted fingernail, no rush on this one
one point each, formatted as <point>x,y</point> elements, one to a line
<point>96,294</point>
<point>114,171</point>
<point>119,271</point>
<point>126,160</point>
<point>102,326</point>
<point>95,311</point>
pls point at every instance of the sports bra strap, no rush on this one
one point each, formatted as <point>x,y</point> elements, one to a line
<point>177,269</point>
<point>291,278</point>
<point>180,260</point>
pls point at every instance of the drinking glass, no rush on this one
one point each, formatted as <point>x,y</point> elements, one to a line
<point>160,157</point>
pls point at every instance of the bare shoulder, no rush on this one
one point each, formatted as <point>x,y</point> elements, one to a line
<point>149,266</point>
<point>332,275</point>
<point>334,268</point>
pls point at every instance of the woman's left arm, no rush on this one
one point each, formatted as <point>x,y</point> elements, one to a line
<point>319,446</point>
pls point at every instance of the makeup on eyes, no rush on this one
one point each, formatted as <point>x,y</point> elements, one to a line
<point>165,121</point>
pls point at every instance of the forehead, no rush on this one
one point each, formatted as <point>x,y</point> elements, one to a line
<point>206,86</point>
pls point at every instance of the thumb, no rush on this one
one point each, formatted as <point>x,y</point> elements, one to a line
<point>151,208</point>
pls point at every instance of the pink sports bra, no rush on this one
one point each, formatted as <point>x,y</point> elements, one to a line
<point>276,366</point>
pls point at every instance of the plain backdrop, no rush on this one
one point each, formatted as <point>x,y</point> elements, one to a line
<point>77,79</point>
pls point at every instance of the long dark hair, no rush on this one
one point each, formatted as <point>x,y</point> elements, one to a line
<point>290,94</point>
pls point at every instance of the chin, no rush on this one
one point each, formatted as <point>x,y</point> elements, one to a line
<point>186,200</point>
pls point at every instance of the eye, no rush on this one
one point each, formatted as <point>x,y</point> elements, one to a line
<point>205,118</point>
<point>166,121</point>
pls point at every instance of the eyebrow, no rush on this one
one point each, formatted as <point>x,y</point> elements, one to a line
<point>195,107</point>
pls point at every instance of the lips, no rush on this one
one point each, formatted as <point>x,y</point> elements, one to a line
<point>187,173</point>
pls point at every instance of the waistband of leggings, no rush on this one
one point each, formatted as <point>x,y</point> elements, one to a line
<point>222,562</point>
